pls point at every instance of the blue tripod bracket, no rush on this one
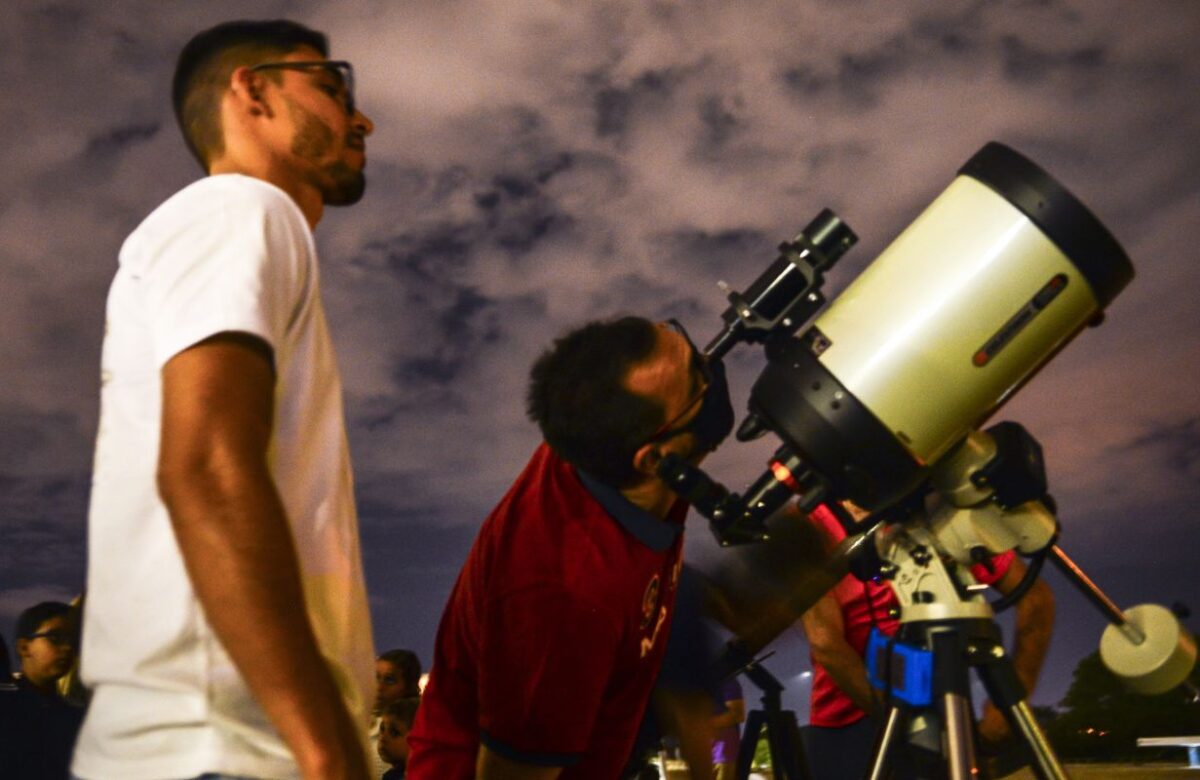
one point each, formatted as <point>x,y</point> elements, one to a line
<point>903,671</point>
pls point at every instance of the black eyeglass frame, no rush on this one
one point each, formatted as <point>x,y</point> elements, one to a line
<point>668,429</point>
<point>342,68</point>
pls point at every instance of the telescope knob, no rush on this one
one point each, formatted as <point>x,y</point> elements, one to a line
<point>752,428</point>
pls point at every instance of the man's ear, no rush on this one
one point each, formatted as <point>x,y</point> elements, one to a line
<point>247,89</point>
<point>646,459</point>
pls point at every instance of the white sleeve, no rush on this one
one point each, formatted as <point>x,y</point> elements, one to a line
<point>231,261</point>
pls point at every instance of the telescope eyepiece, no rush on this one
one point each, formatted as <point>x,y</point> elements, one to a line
<point>830,237</point>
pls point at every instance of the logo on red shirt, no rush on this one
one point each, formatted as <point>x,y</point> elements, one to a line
<point>649,601</point>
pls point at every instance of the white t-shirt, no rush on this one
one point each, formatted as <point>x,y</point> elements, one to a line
<point>228,253</point>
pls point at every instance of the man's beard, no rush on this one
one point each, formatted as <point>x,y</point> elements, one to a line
<point>340,183</point>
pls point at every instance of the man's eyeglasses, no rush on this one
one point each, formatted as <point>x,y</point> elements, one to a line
<point>59,638</point>
<point>342,70</point>
<point>699,364</point>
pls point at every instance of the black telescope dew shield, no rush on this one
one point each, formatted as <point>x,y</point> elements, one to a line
<point>999,272</point>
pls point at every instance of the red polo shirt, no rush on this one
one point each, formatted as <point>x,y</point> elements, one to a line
<point>863,605</point>
<point>554,632</point>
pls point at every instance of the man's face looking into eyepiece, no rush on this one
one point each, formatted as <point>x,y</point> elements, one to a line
<point>695,400</point>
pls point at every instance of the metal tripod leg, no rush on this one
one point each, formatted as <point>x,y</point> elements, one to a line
<point>952,685</point>
<point>1005,691</point>
<point>960,744</point>
<point>1046,762</point>
<point>883,742</point>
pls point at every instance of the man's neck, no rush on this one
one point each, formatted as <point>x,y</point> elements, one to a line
<point>652,496</point>
<point>307,198</point>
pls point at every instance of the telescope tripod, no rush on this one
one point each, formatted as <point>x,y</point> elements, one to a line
<point>783,735</point>
<point>944,723</point>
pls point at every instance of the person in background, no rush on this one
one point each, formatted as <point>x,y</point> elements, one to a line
<point>846,710</point>
<point>37,727</point>
<point>226,629</point>
<point>397,676</point>
<point>5,663</point>
<point>397,720</point>
<point>726,725</point>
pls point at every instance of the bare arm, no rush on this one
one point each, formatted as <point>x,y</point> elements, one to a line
<point>735,713</point>
<point>826,636</point>
<point>687,716</point>
<point>1034,623</point>
<point>237,545</point>
<point>493,766</point>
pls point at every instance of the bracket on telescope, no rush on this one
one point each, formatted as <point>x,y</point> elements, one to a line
<point>788,293</point>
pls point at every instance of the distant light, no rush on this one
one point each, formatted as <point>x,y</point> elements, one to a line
<point>422,681</point>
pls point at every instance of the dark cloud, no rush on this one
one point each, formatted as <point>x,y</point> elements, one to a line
<point>708,253</point>
<point>858,77</point>
<point>1027,64</point>
<point>720,124</point>
<point>114,141</point>
<point>1175,447</point>
<point>44,521</point>
<point>616,105</point>
<point>31,441</point>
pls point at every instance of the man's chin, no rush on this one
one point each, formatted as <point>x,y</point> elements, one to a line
<point>346,188</point>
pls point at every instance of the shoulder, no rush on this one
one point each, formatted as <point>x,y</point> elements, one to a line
<point>224,213</point>
<point>223,200</point>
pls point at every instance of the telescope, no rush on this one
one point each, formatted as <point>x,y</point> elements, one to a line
<point>877,400</point>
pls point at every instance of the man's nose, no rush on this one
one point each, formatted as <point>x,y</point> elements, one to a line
<point>362,123</point>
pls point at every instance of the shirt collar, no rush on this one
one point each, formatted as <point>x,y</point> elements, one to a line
<point>656,534</point>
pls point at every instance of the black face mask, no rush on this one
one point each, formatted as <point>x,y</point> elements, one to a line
<point>713,423</point>
<point>714,420</point>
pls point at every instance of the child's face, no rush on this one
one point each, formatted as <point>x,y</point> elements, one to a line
<point>393,741</point>
<point>390,684</point>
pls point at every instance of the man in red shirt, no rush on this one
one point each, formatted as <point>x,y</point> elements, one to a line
<point>555,631</point>
<point>844,710</point>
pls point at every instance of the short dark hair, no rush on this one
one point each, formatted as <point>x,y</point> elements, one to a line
<point>210,58</point>
<point>577,396</point>
<point>29,621</point>
<point>409,665</point>
<point>404,709</point>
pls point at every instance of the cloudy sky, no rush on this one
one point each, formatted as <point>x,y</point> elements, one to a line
<point>539,163</point>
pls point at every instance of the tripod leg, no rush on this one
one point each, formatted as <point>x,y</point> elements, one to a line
<point>750,735</point>
<point>782,735</point>
<point>883,741</point>
<point>781,767</point>
<point>1004,688</point>
<point>952,684</point>
<point>960,745</point>
<point>1046,762</point>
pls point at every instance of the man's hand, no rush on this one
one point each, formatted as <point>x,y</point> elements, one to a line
<point>237,546</point>
<point>993,726</point>
<point>825,629</point>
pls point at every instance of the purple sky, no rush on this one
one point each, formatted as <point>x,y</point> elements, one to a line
<point>538,164</point>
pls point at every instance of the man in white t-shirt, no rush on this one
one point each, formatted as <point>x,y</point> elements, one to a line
<point>226,629</point>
